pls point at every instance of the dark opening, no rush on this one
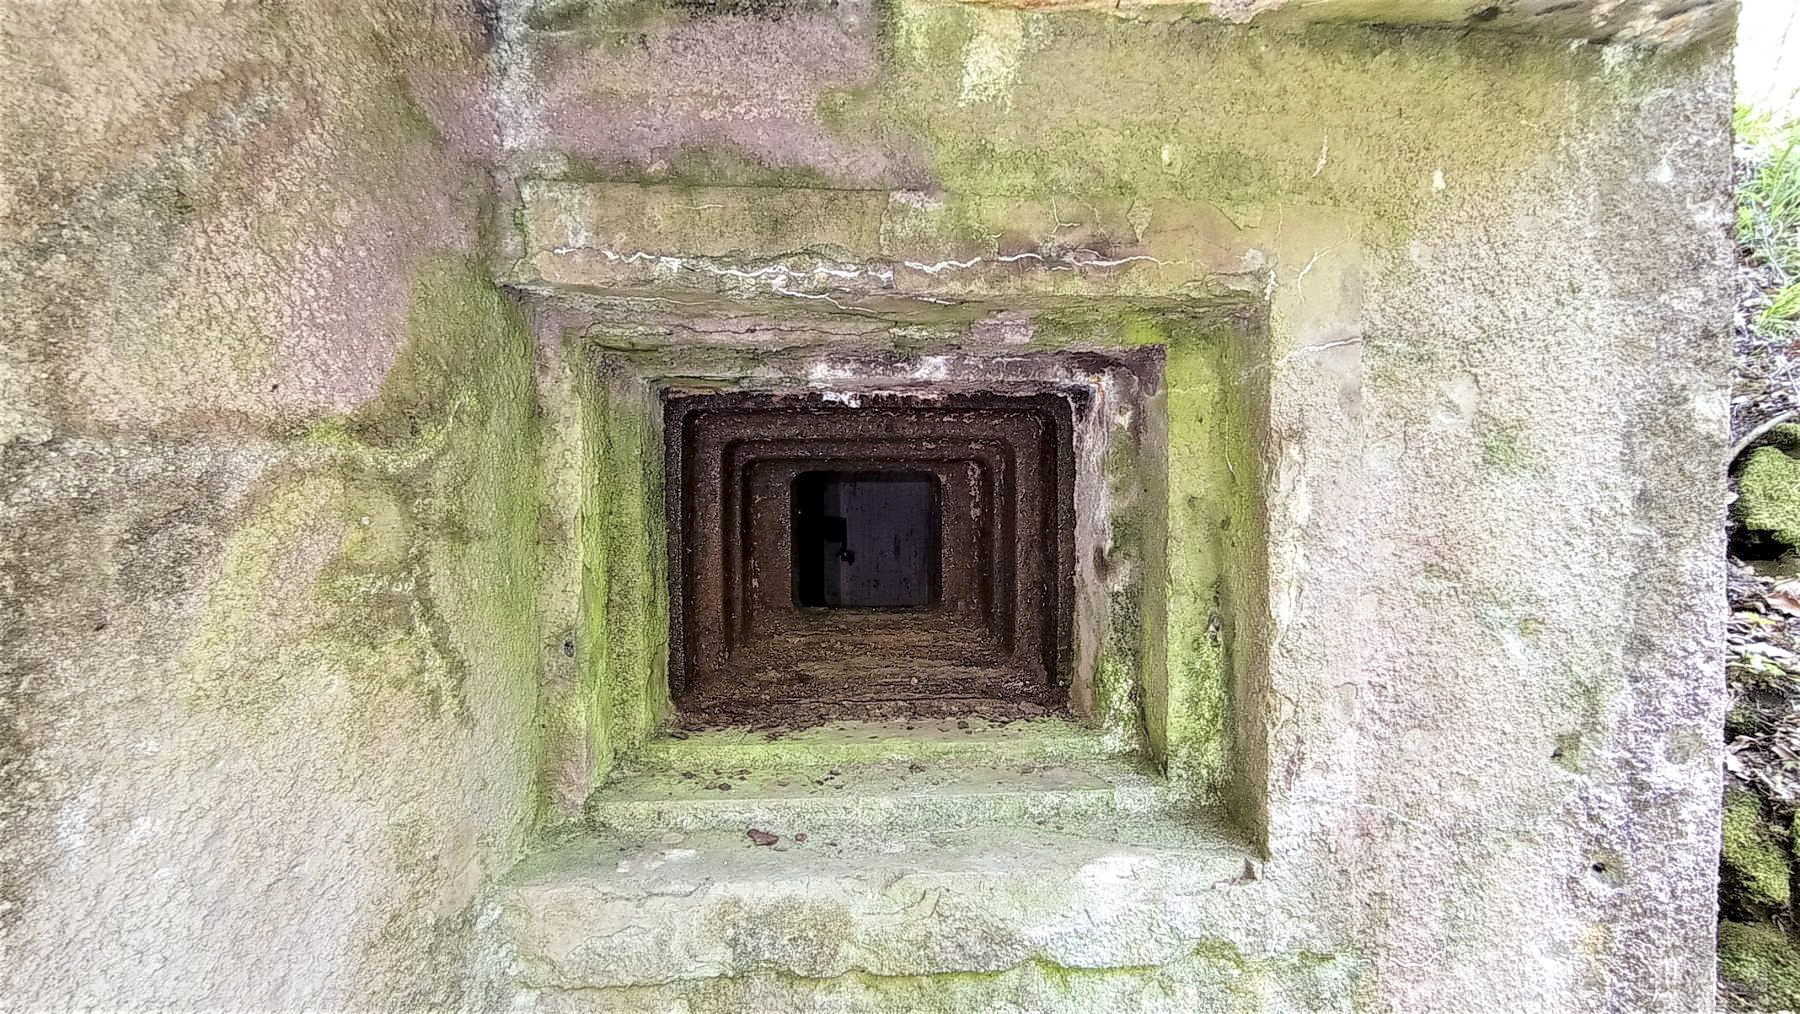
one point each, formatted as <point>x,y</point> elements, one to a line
<point>866,540</point>
<point>899,556</point>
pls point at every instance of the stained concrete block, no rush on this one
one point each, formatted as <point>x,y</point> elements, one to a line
<point>855,247</point>
<point>1486,365</point>
<point>900,795</point>
<point>1482,279</point>
<point>744,222</point>
<point>1155,899</point>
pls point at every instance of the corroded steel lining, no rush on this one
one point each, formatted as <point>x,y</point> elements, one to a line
<point>997,634</point>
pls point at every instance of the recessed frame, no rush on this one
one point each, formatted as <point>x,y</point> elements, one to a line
<point>1000,630</point>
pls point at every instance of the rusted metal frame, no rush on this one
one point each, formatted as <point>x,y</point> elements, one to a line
<point>1021,577</point>
<point>1054,514</point>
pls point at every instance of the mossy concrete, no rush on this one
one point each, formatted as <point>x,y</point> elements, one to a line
<point>1214,978</point>
<point>625,584</point>
<point>788,795</point>
<point>270,521</point>
<point>628,353</point>
<point>354,645</point>
<point>971,913</point>
<point>605,605</point>
<point>429,496</point>
<point>1443,318</point>
<point>1012,152</point>
<point>822,747</point>
<point>215,201</point>
<point>1640,21</point>
<point>293,661</point>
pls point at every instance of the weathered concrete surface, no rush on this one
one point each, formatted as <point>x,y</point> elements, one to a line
<point>854,244</point>
<point>899,795</point>
<point>659,921</point>
<point>268,664</point>
<point>638,345</point>
<point>1652,21</point>
<point>1471,705</point>
<point>263,709</point>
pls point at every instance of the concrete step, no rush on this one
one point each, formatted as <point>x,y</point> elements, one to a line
<point>885,867</point>
<point>1132,914</point>
<point>1041,739</point>
<point>793,798</point>
<point>907,774</point>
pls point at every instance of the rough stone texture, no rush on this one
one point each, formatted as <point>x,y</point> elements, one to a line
<point>1469,705</point>
<point>1656,21</point>
<point>262,716</point>
<point>624,594</point>
<point>270,454</point>
<point>660,921</point>
<point>898,795</point>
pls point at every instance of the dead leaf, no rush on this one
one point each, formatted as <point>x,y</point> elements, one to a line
<point>1784,599</point>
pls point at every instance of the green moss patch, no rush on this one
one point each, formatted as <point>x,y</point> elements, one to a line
<point>622,645</point>
<point>1012,102</point>
<point>1212,525</point>
<point>1760,961</point>
<point>400,561</point>
<point>1755,854</point>
<point>1769,494</point>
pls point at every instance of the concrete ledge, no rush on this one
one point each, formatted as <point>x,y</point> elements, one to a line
<point>1659,22</point>
<point>1144,896</point>
<point>846,247</point>
<point>1034,740</point>
<point>749,222</point>
<point>897,795</point>
<point>1653,22</point>
<point>1211,980</point>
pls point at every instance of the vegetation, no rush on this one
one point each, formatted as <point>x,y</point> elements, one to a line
<point>1768,217</point>
<point>1759,962</point>
<point>1755,853</point>
<point>1768,500</point>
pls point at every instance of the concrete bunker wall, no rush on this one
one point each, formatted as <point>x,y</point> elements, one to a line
<point>277,694</point>
<point>1491,382</point>
<point>1126,676</point>
<point>268,528</point>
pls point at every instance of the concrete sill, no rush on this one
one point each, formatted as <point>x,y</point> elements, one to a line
<point>877,850</point>
<point>616,909</point>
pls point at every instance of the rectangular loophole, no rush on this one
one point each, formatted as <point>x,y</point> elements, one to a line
<point>866,540</point>
<point>897,555</point>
